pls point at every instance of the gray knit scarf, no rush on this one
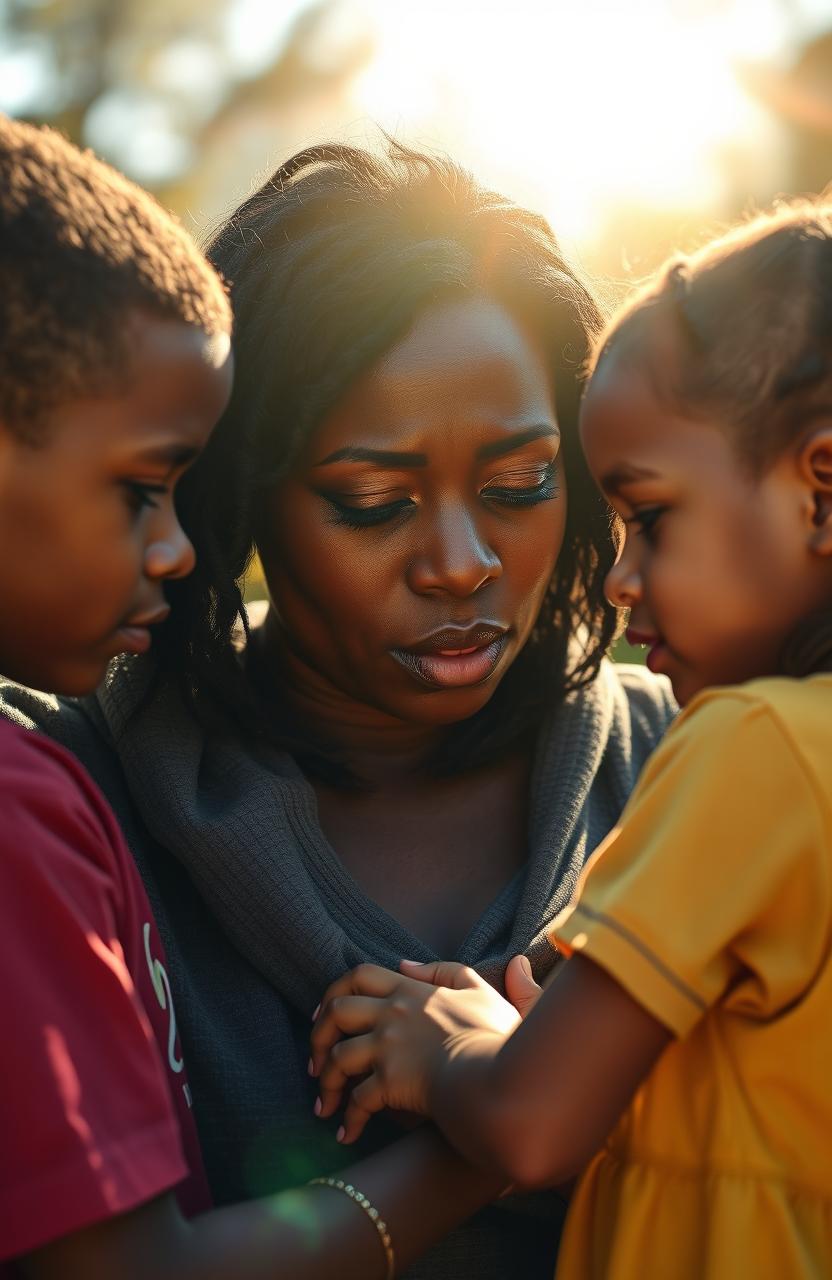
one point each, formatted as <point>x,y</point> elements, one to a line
<point>243,821</point>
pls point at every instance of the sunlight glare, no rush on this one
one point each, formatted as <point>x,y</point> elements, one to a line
<point>581,106</point>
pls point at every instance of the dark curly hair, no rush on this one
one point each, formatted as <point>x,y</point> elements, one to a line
<point>744,331</point>
<point>79,246</point>
<point>329,264</point>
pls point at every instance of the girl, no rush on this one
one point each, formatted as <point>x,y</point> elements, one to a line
<point>689,1036</point>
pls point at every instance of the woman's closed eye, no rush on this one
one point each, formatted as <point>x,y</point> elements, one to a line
<point>645,521</point>
<point>358,511</point>
<point>523,487</point>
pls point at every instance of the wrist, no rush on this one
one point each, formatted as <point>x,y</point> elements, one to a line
<point>464,1074</point>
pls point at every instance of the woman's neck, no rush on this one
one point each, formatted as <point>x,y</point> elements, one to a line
<point>376,748</point>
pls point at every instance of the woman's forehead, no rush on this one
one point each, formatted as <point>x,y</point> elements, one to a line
<point>463,365</point>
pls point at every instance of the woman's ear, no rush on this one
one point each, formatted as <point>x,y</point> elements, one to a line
<point>815,462</point>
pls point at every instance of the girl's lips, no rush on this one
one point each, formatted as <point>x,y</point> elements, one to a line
<point>452,668</point>
<point>657,650</point>
<point>656,656</point>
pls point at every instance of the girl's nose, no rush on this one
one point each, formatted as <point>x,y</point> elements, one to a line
<point>622,585</point>
<point>456,559</point>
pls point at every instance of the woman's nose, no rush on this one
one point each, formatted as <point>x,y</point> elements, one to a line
<point>622,585</point>
<point>170,554</point>
<point>456,559</point>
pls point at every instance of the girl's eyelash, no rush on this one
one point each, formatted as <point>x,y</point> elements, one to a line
<point>367,517</point>
<point>143,495</point>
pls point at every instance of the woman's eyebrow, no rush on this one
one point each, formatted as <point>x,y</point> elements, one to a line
<point>382,457</point>
<point>497,448</point>
<point>399,458</point>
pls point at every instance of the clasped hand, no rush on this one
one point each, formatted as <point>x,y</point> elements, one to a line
<point>403,1031</point>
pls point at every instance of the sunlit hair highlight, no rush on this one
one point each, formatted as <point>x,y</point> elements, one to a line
<point>80,247</point>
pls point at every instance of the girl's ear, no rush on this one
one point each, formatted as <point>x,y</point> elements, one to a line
<point>815,462</point>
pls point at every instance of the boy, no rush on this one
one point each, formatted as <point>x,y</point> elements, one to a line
<point>114,366</point>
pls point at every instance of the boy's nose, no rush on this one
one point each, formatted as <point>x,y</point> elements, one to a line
<point>170,557</point>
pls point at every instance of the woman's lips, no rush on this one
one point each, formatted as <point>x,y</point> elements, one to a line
<point>446,661</point>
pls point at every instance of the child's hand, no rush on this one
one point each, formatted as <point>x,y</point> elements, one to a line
<point>521,988</point>
<point>403,1031</point>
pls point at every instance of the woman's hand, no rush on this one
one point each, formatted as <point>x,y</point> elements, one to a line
<point>403,1031</point>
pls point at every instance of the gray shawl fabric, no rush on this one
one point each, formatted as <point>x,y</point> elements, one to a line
<point>258,916</point>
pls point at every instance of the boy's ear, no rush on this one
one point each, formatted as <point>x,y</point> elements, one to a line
<point>815,461</point>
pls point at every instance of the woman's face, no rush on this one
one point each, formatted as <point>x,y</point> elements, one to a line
<point>408,553</point>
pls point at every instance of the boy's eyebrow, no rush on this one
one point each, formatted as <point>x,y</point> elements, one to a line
<point>401,458</point>
<point>174,454</point>
<point>628,473</point>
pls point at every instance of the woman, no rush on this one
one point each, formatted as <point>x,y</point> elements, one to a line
<point>415,749</point>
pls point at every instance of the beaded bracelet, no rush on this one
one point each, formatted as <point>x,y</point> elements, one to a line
<point>372,1213</point>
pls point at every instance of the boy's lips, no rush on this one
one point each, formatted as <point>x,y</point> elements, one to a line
<point>454,657</point>
<point>134,635</point>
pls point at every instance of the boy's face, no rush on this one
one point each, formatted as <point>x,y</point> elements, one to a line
<point>717,566</point>
<point>88,530</point>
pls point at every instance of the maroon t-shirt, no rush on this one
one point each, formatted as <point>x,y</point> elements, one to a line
<point>95,1112</point>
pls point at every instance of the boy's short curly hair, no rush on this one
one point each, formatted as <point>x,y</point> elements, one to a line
<point>80,246</point>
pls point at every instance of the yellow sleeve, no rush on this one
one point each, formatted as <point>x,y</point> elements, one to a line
<point>715,886</point>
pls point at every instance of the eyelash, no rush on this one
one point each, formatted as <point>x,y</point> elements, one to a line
<point>367,517</point>
<point>143,495</point>
<point>645,522</point>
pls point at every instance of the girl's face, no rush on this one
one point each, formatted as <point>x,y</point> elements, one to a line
<point>716,567</point>
<point>408,554</point>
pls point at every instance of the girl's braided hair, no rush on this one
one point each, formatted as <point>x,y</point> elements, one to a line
<point>329,264</point>
<point>750,319</point>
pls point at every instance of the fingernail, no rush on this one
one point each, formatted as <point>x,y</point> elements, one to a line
<point>311,1066</point>
<point>317,1106</point>
<point>417,963</point>
<point>525,966</point>
<point>317,1010</point>
<point>341,1134</point>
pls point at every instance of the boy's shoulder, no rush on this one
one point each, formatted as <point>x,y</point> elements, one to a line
<point>31,761</point>
<point>65,720</point>
<point>43,786</point>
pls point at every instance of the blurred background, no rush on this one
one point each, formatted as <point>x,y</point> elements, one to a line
<point>635,127</point>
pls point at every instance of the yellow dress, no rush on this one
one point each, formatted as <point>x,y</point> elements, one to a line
<point>711,904</point>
